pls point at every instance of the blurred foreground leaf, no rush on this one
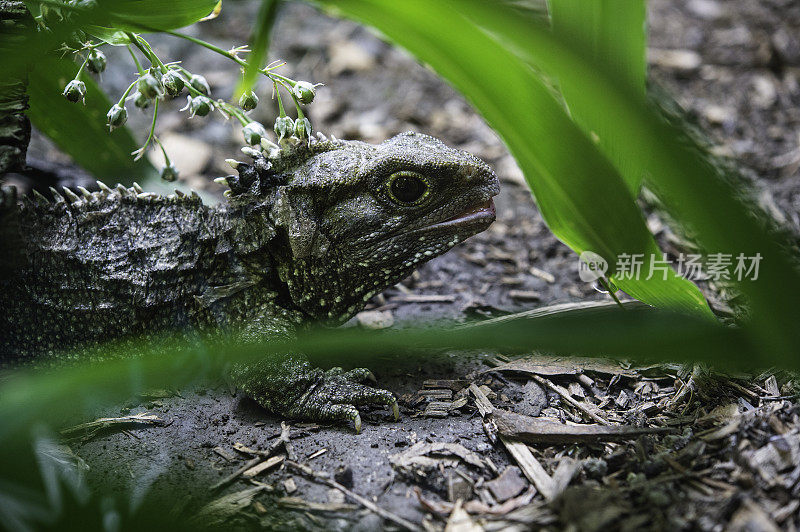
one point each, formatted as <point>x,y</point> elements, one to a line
<point>155,14</point>
<point>259,44</point>
<point>582,197</point>
<point>691,186</point>
<point>80,130</point>
<point>28,397</point>
<point>611,34</point>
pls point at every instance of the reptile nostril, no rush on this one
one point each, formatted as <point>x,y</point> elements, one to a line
<point>470,174</point>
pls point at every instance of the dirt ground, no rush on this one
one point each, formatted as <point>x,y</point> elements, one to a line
<point>733,458</point>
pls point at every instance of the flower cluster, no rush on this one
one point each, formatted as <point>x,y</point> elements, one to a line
<point>161,80</point>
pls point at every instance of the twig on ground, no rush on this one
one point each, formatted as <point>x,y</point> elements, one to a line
<point>568,398</point>
<point>531,467</point>
<point>283,440</point>
<point>366,503</point>
<point>90,429</point>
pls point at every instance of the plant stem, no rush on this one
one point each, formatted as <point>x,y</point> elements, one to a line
<point>208,45</point>
<point>132,37</point>
<point>281,110</point>
<point>289,83</point>
<point>121,102</point>
<point>80,70</point>
<point>150,136</point>
<point>233,111</point>
<point>153,55</point>
<point>145,48</point>
<point>136,60</point>
<point>167,162</point>
<point>604,284</point>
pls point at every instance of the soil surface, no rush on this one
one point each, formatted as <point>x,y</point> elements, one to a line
<point>735,66</point>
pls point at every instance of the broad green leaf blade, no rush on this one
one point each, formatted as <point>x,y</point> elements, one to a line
<point>34,8</point>
<point>133,15</point>
<point>14,129</point>
<point>259,44</point>
<point>80,131</point>
<point>611,33</point>
<point>583,199</point>
<point>691,187</point>
<point>608,32</point>
<point>129,367</point>
<point>110,36</point>
<point>154,15</point>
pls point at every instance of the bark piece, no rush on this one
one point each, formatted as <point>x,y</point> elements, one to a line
<point>507,485</point>
<point>537,430</point>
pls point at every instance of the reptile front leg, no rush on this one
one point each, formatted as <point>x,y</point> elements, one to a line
<point>288,385</point>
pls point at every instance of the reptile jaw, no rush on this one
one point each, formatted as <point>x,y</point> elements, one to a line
<point>482,213</point>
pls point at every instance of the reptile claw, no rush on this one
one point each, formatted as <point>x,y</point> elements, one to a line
<point>357,423</point>
<point>396,411</point>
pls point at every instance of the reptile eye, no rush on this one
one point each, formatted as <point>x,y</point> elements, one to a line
<point>408,187</point>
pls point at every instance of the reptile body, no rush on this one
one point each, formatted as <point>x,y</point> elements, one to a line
<point>307,235</point>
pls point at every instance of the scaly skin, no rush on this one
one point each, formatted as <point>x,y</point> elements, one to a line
<point>307,235</point>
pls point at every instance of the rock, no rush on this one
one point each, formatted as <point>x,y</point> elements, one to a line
<point>720,115</point>
<point>674,59</point>
<point>347,56</point>
<point>595,468</point>
<point>368,523</point>
<point>335,496</point>
<point>344,476</point>
<point>706,9</point>
<point>534,399</point>
<point>508,171</point>
<point>190,156</point>
<point>289,485</point>
<point>765,92</point>
<point>458,488</point>
<point>375,319</point>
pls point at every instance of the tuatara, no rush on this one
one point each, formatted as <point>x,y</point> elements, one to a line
<point>307,234</point>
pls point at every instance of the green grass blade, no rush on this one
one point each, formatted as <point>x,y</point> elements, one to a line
<point>691,188</point>
<point>612,34</point>
<point>81,131</point>
<point>259,44</point>
<point>583,199</point>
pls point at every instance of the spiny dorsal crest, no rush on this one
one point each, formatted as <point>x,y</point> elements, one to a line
<point>275,166</point>
<point>67,198</point>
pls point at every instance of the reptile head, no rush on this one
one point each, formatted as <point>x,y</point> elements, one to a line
<point>353,218</point>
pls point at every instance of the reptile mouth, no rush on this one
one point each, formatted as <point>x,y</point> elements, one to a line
<point>482,213</point>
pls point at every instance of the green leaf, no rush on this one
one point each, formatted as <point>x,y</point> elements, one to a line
<point>117,371</point>
<point>610,33</point>
<point>81,131</point>
<point>582,197</point>
<point>110,36</point>
<point>259,44</point>
<point>35,9</point>
<point>154,15</point>
<point>132,15</point>
<point>689,184</point>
